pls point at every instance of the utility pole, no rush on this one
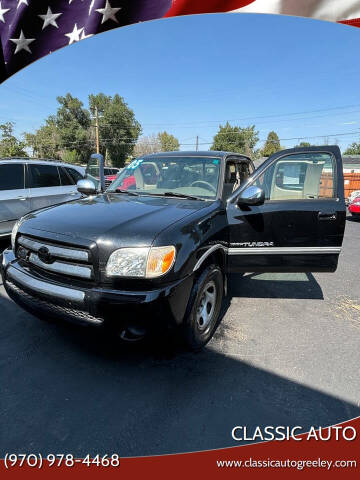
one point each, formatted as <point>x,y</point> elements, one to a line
<point>197,143</point>
<point>97,130</point>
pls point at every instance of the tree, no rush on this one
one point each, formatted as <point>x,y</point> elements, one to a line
<point>71,156</point>
<point>70,135</point>
<point>236,139</point>
<point>353,149</point>
<point>73,123</point>
<point>45,142</point>
<point>168,142</point>
<point>147,145</point>
<point>118,127</point>
<point>10,146</point>
<point>67,130</point>
<point>303,145</point>
<point>272,145</point>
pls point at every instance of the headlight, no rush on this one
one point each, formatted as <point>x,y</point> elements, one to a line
<point>14,233</point>
<point>159,261</point>
<point>140,262</point>
<point>356,203</point>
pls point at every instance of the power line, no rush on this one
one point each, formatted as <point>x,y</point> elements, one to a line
<point>89,142</point>
<point>257,116</point>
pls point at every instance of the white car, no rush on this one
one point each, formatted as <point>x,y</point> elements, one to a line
<point>27,185</point>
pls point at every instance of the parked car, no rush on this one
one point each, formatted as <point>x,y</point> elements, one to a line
<point>110,178</point>
<point>27,185</point>
<point>354,207</point>
<point>110,174</point>
<point>159,254</point>
<point>352,196</point>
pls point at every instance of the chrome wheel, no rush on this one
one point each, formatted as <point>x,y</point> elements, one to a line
<point>206,308</point>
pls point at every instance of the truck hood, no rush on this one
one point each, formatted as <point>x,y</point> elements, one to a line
<point>117,218</point>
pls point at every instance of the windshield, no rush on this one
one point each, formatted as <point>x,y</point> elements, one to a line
<point>182,175</point>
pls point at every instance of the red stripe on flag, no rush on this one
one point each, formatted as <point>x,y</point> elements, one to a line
<point>188,7</point>
<point>354,23</point>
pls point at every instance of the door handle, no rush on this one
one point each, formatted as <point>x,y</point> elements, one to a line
<point>327,216</point>
<point>20,198</point>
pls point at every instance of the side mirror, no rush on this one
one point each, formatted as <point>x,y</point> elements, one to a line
<point>95,168</point>
<point>251,196</point>
<point>86,186</point>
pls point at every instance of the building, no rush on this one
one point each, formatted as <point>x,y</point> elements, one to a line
<point>351,163</point>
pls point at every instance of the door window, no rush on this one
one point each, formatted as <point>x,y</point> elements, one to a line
<point>230,179</point>
<point>44,176</point>
<point>65,179</point>
<point>11,176</point>
<point>299,177</point>
<point>236,173</point>
<point>74,174</point>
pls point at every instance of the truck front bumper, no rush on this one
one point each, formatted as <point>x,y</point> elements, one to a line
<point>93,305</point>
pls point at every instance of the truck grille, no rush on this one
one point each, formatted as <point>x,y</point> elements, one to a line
<point>56,259</point>
<point>40,306</point>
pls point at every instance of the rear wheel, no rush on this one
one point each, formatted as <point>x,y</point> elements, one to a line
<point>203,309</point>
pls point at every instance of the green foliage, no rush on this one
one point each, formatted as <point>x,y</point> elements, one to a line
<point>71,156</point>
<point>272,145</point>
<point>303,145</point>
<point>10,146</point>
<point>45,142</point>
<point>70,134</point>
<point>168,143</point>
<point>68,129</point>
<point>118,127</point>
<point>353,149</point>
<point>73,123</point>
<point>236,139</point>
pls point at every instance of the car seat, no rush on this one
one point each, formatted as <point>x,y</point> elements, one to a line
<point>231,181</point>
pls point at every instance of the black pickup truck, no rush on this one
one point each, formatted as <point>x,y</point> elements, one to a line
<point>156,246</point>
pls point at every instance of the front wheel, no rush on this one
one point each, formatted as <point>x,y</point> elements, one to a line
<point>204,308</point>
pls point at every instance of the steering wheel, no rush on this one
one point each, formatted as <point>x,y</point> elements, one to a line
<point>207,185</point>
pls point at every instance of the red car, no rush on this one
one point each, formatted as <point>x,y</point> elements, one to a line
<point>354,207</point>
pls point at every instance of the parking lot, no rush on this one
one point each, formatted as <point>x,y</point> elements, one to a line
<point>287,352</point>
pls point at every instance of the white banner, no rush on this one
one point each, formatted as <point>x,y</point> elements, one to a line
<point>332,10</point>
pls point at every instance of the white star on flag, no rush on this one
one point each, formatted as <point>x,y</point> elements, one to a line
<point>50,18</point>
<point>91,6</point>
<point>22,43</point>
<point>108,12</point>
<point>74,36</point>
<point>20,2</point>
<point>83,36</point>
<point>2,12</point>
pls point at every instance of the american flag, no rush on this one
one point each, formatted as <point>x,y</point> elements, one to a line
<point>31,29</point>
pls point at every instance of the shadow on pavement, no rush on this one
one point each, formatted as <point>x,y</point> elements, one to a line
<point>353,219</point>
<point>74,389</point>
<point>275,285</point>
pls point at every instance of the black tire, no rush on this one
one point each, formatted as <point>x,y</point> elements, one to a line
<point>196,330</point>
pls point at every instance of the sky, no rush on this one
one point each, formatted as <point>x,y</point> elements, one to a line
<point>186,75</point>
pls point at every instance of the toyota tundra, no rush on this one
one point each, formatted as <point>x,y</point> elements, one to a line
<point>155,247</point>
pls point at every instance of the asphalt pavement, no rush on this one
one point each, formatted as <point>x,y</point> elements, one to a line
<point>287,352</point>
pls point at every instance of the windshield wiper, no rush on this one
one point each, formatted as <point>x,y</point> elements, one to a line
<point>174,194</point>
<point>181,195</point>
<point>128,192</point>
